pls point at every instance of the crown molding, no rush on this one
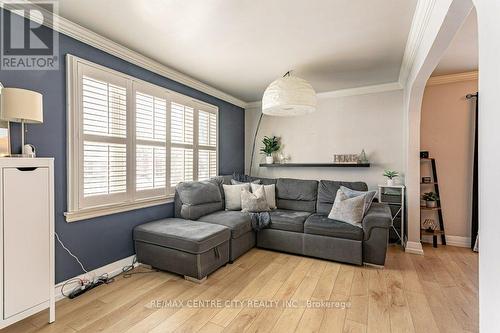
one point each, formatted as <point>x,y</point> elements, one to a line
<point>452,78</point>
<point>365,90</point>
<point>102,43</point>
<point>419,24</point>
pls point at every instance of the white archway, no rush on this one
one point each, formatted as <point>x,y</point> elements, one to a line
<point>444,23</point>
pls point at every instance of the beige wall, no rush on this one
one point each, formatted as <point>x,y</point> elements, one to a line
<point>447,132</point>
<point>341,125</point>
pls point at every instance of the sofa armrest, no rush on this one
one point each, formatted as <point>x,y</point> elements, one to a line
<point>378,216</point>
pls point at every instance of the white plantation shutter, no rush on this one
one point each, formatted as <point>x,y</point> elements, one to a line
<point>182,124</point>
<point>104,168</point>
<point>151,135</point>
<point>131,142</point>
<point>182,141</point>
<point>207,142</point>
<point>104,149</point>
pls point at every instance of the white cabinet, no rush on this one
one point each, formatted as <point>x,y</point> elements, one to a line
<point>27,238</point>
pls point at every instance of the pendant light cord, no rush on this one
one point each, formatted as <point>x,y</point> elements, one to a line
<point>253,146</point>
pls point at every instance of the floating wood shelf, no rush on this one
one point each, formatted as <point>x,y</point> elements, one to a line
<point>428,208</point>
<point>315,165</point>
<point>432,232</point>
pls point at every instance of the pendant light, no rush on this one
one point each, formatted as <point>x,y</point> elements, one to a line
<point>289,96</point>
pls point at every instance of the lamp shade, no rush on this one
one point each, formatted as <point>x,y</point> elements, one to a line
<point>19,105</point>
<point>289,96</point>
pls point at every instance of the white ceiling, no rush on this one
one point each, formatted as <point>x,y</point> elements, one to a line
<point>240,46</point>
<point>462,55</point>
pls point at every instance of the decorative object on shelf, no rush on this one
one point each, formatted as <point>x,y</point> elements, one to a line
<point>346,158</point>
<point>271,145</point>
<point>431,199</point>
<point>430,224</point>
<point>423,203</point>
<point>29,150</point>
<point>362,157</point>
<point>21,106</point>
<point>283,158</point>
<point>390,174</point>
<point>4,139</point>
<point>426,180</point>
<point>289,96</point>
<point>424,154</point>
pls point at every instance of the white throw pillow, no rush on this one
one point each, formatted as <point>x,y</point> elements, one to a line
<point>232,194</point>
<point>254,202</point>
<point>270,191</point>
<point>349,210</point>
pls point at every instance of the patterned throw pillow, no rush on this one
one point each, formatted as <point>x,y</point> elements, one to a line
<point>349,210</point>
<point>270,191</point>
<point>254,202</point>
<point>232,195</point>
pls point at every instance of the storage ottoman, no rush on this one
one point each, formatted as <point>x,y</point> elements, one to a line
<point>190,248</point>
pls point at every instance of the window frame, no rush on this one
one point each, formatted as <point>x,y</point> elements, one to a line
<point>79,208</point>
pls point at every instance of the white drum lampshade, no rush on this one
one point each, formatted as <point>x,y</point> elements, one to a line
<point>289,96</point>
<point>21,105</point>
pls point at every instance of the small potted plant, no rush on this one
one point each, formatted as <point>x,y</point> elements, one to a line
<point>271,145</point>
<point>390,174</point>
<point>431,199</point>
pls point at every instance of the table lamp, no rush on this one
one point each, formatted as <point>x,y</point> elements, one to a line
<point>21,106</point>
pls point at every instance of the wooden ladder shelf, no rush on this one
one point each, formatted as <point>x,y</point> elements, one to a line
<point>435,183</point>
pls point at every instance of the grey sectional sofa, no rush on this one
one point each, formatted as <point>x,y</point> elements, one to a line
<point>299,225</point>
<point>203,236</point>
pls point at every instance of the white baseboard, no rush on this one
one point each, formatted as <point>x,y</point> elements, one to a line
<point>111,269</point>
<point>414,248</point>
<point>459,241</point>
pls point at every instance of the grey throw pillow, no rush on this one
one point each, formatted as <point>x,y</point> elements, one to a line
<point>349,210</point>
<point>369,195</point>
<point>232,195</point>
<point>270,191</point>
<point>254,202</point>
<point>237,182</point>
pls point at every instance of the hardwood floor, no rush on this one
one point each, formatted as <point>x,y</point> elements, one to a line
<point>437,292</point>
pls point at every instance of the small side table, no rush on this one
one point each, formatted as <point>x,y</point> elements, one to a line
<point>401,210</point>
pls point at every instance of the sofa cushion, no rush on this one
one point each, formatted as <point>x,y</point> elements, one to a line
<point>184,235</point>
<point>288,220</point>
<point>198,199</point>
<point>237,221</point>
<point>327,191</point>
<point>297,194</point>
<point>318,224</point>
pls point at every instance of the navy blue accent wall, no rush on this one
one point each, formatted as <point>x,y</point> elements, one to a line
<point>103,240</point>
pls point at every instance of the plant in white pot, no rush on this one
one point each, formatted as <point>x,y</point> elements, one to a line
<point>271,145</point>
<point>431,199</point>
<point>390,174</point>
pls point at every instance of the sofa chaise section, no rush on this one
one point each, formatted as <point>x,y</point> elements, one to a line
<point>204,202</point>
<point>188,248</point>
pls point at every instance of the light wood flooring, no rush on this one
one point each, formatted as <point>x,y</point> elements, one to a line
<point>437,292</point>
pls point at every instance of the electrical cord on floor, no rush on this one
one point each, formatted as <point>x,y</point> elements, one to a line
<point>84,285</point>
<point>126,270</point>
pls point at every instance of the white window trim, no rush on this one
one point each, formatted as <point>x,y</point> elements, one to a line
<point>74,137</point>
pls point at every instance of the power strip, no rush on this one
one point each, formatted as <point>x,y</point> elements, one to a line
<point>83,289</point>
